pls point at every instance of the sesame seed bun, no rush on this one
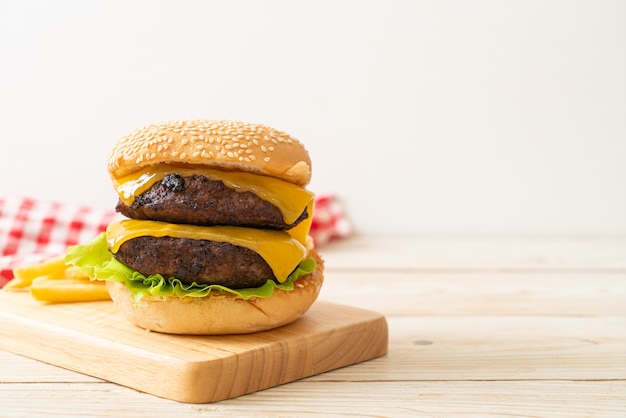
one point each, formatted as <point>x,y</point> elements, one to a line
<point>219,144</point>
<point>220,313</point>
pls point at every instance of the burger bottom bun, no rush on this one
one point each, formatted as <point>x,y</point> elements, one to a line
<point>220,313</point>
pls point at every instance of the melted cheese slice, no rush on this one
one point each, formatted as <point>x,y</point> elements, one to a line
<point>289,198</point>
<point>301,231</point>
<point>282,252</point>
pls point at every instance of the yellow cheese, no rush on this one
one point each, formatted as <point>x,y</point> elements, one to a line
<point>281,252</point>
<point>301,231</point>
<point>289,198</point>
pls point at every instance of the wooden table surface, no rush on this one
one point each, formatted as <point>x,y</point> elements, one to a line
<point>501,327</point>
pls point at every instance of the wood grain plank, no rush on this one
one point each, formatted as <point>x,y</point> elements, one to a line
<point>506,348</point>
<point>15,368</point>
<point>409,293</point>
<point>308,398</point>
<point>567,254</point>
<point>459,348</point>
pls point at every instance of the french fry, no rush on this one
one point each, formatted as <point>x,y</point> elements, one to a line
<point>75,272</point>
<point>56,290</point>
<point>55,282</point>
<point>23,276</point>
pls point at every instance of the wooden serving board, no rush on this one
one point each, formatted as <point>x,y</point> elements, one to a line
<point>94,339</point>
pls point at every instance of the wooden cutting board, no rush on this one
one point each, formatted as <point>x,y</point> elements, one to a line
<point>94,339</point>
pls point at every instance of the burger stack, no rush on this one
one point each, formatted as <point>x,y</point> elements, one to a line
<point>217,236</point>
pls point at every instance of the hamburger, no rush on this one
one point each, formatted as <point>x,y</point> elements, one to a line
<point>215,234</point>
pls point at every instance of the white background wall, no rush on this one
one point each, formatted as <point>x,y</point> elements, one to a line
<point>424,117</point>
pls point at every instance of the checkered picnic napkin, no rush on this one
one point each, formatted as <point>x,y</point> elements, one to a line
<point>329,220</point>
<point>32,231</point>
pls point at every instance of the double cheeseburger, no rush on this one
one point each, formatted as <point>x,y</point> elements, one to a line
<point>216,237</point>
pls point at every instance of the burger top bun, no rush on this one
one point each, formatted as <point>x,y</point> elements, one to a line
<point>219,144</point>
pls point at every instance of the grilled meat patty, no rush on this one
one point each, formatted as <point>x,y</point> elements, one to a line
<point>200,261</point>
<point>201,201</point>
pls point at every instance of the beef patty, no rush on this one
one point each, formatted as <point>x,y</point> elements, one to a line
<point>201,201</point>
<point>200,261</point>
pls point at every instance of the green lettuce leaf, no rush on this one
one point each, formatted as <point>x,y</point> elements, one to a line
<point>99,264</point>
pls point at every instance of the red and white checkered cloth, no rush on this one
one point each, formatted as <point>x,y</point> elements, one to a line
<point>32,231</point>
<point>329,220</point>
